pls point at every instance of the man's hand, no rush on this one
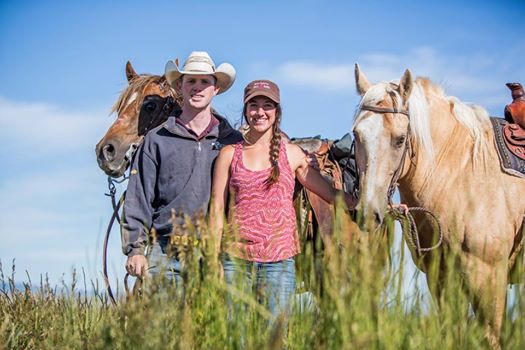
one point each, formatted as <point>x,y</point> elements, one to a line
<point>137,265</point>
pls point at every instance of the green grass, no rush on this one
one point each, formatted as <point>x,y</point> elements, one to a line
<point>358,305</point>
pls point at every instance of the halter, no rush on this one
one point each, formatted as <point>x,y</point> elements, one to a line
<point>408,224</point>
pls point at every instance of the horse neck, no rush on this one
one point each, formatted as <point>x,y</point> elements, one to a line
<point>428,172</point>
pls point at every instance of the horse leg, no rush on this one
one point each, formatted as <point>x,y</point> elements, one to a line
<point>488,286</point>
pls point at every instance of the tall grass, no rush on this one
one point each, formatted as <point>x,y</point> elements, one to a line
<point>347,299</point>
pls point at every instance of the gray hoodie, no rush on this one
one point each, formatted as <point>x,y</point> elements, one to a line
<point>172,170</point>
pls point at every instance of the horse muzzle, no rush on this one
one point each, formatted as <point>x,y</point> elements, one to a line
<point>114,161</point>
<point>369,216</point>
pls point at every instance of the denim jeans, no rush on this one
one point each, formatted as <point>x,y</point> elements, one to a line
<point>273,283</point>
<point>160,262</point>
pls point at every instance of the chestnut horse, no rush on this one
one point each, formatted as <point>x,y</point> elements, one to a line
<point>441,153</point>
<point>144,104</point>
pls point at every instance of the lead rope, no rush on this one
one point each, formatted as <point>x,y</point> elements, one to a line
<point>409,228</point>
<point>116,208</point>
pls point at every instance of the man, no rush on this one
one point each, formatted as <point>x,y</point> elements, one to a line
<point>173,168</point>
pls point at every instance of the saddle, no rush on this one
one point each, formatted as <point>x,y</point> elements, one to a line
<point>330,169</point>
<point>514,132</point>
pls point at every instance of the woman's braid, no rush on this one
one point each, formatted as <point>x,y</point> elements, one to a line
<point>275,145</point>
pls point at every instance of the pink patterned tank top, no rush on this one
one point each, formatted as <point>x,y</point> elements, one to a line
<point>263,218</point>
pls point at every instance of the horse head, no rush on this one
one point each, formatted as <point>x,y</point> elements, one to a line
<point>147,102</point>
<point>382,133</point>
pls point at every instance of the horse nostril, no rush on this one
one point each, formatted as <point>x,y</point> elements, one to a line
<point>378,218</point>
<point>108,151</point>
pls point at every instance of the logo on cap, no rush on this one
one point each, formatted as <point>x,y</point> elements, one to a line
<point>261,85</point>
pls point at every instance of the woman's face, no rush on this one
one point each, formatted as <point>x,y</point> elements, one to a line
<point>260,113</point>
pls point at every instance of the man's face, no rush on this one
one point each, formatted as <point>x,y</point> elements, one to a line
<point>198,90</point>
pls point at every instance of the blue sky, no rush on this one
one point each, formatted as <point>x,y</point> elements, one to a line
<point>62,67</point>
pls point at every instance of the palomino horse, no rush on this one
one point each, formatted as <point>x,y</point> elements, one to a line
<point>442,155</point>
<point>143,105</point>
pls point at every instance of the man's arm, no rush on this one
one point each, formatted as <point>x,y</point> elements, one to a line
<point>137,215</point>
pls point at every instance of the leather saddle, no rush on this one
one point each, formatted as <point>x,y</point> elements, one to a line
<point>514,132</point>
<point>330,169</point>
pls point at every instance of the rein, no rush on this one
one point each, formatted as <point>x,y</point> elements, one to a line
<point>116,208</point>
<point>406,219</point>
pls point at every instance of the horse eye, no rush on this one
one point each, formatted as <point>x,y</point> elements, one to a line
<point>150,106</point>
<point>399,141</point>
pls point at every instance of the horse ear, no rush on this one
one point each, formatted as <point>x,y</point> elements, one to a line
<point>361,82</point>
<point>405,85</point>
<point>130,72</point>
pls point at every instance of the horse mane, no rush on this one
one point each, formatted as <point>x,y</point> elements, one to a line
<point>137,85</point>
<point>472,117</point>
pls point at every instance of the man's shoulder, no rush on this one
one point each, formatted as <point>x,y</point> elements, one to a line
<point>155,132</point>
<point>234,137</point>
<point>227,134</point>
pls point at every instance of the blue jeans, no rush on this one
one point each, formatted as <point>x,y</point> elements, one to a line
<point>273,283</point>
<point>160,262</point>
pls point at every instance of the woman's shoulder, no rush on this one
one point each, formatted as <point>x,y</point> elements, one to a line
<point>227,150</point>
<point>296,156</point>
<point>294,151</point>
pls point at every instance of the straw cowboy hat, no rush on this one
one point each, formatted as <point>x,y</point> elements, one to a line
<point>199,62</point>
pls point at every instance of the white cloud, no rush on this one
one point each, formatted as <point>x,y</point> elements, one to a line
<point>478,78</point>
<point>37,128</point>
<point>53,211</point>
<point>316,75</point>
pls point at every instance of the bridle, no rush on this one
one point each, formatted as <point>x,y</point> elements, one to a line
<point>406,219</point>
<point>384,110</point>
<point>399,170</point>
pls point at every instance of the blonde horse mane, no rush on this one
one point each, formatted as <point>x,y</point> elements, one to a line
<point>472,117</point>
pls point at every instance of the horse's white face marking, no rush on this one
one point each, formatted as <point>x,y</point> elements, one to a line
<point>368,133</point>
<point>132,98</point>
<point>380,143</point>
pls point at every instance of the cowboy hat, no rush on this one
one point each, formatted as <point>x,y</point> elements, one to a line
<point>199,62</point>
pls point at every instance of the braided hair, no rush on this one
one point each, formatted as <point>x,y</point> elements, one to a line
<point>275,145</point>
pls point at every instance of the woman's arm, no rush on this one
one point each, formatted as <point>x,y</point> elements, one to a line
<point>313,180</point>
<point>219,194</point>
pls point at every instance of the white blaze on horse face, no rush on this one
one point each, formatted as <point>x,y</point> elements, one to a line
<point>368,134</point>
<point>123,116</point>
<point>132,98</point>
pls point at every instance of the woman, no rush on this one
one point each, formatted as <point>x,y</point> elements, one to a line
<point>259,174</point>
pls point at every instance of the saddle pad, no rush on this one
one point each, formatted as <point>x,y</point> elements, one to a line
<point>510,163</point>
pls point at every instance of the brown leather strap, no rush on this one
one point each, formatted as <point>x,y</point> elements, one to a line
<point>384,110</point>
